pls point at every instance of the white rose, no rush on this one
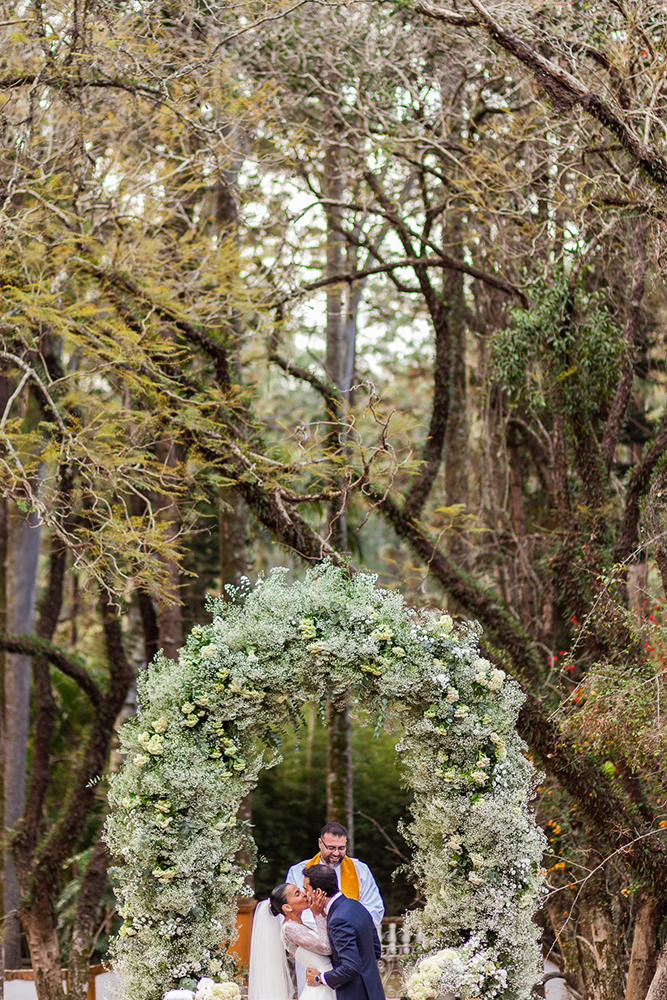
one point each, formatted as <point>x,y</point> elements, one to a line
<point>461,712</point>
<point>496,680</point>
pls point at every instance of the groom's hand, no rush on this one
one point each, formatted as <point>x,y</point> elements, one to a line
<point>311,975</point>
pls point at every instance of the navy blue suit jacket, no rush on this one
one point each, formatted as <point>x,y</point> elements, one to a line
<point>355,949</point>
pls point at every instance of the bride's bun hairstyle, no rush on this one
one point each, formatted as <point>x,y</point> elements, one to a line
<point>278,899</point>
<point>322,877</point>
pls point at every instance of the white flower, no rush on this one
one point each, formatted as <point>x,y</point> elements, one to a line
<point>201,701</point>
<point>398,651</point>
<point>382,633</point>
<point>208,651</point>
<point>445,623</point>
<point>188,708</point>
<point>252,657</point>
<point>308,630</point>
<point>155,745</point>
<point>479,777</point>
<point>483,760</point>
<point>496,680</point>
<point>191,721</point>
<point>160,725</point>
<point>141,759</point>
<point>454,845</point>
<point>481,665</point>
<point>474,878</point>
<point>164,875</point>
<point>461,712</point>
<point>476,859</point>
<point>452,695</point>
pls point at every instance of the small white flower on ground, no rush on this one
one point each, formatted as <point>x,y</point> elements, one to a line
<point>461,712</point>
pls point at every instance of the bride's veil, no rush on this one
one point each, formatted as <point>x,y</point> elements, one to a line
<point>268,974</point>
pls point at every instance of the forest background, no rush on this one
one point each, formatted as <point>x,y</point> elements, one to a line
<point>376,282</point>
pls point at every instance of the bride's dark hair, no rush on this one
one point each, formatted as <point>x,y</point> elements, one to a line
<point>278,899</point>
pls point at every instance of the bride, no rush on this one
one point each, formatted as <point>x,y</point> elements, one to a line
<point>269,977</point>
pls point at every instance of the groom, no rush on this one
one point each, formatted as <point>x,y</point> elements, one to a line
<point>355,945</point>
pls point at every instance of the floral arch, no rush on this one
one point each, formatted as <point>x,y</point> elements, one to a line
<point>208,724</point>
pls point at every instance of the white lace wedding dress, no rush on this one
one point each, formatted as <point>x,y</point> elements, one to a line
<point>312,950</point>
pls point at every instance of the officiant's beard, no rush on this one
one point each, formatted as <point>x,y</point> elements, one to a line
<point>334,861</point>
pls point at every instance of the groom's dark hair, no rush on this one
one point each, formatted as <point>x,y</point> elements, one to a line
<point>322,877</point>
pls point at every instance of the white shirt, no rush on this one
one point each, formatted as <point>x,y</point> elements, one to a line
<point>326,910</point>
<point>330,901</point>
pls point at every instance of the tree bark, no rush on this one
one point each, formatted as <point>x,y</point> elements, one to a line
<point>23,555</point>
<point>170,620</point>
<point>339,771</point>
<point>3,665</point>
<point>231,527</point>
<point>644,947</point>
<point>90,893</point>
<point>658,988</point>
<point>336,343</point>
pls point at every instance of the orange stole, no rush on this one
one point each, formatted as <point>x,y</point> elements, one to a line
<point>349,880</point>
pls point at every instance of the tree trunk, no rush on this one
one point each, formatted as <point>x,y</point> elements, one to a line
<point>170,620</point>
<point>339,771</point>
<point>90,893</point>
<point>231,526</point>
<point>658,988</point>
<point>336,340</point>
<point>3,663</point>
<point>339,732</point>
<point>41,930</point>
<point>456,433</point>
<point>644,948</point>
<point>23,556</point>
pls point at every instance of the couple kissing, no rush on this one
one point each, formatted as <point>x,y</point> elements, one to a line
<point>340,954</point>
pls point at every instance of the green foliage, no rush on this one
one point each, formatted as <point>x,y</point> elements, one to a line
<point>567,345</point>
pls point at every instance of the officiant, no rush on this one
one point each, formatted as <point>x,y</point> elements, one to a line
<point>355,879</point>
